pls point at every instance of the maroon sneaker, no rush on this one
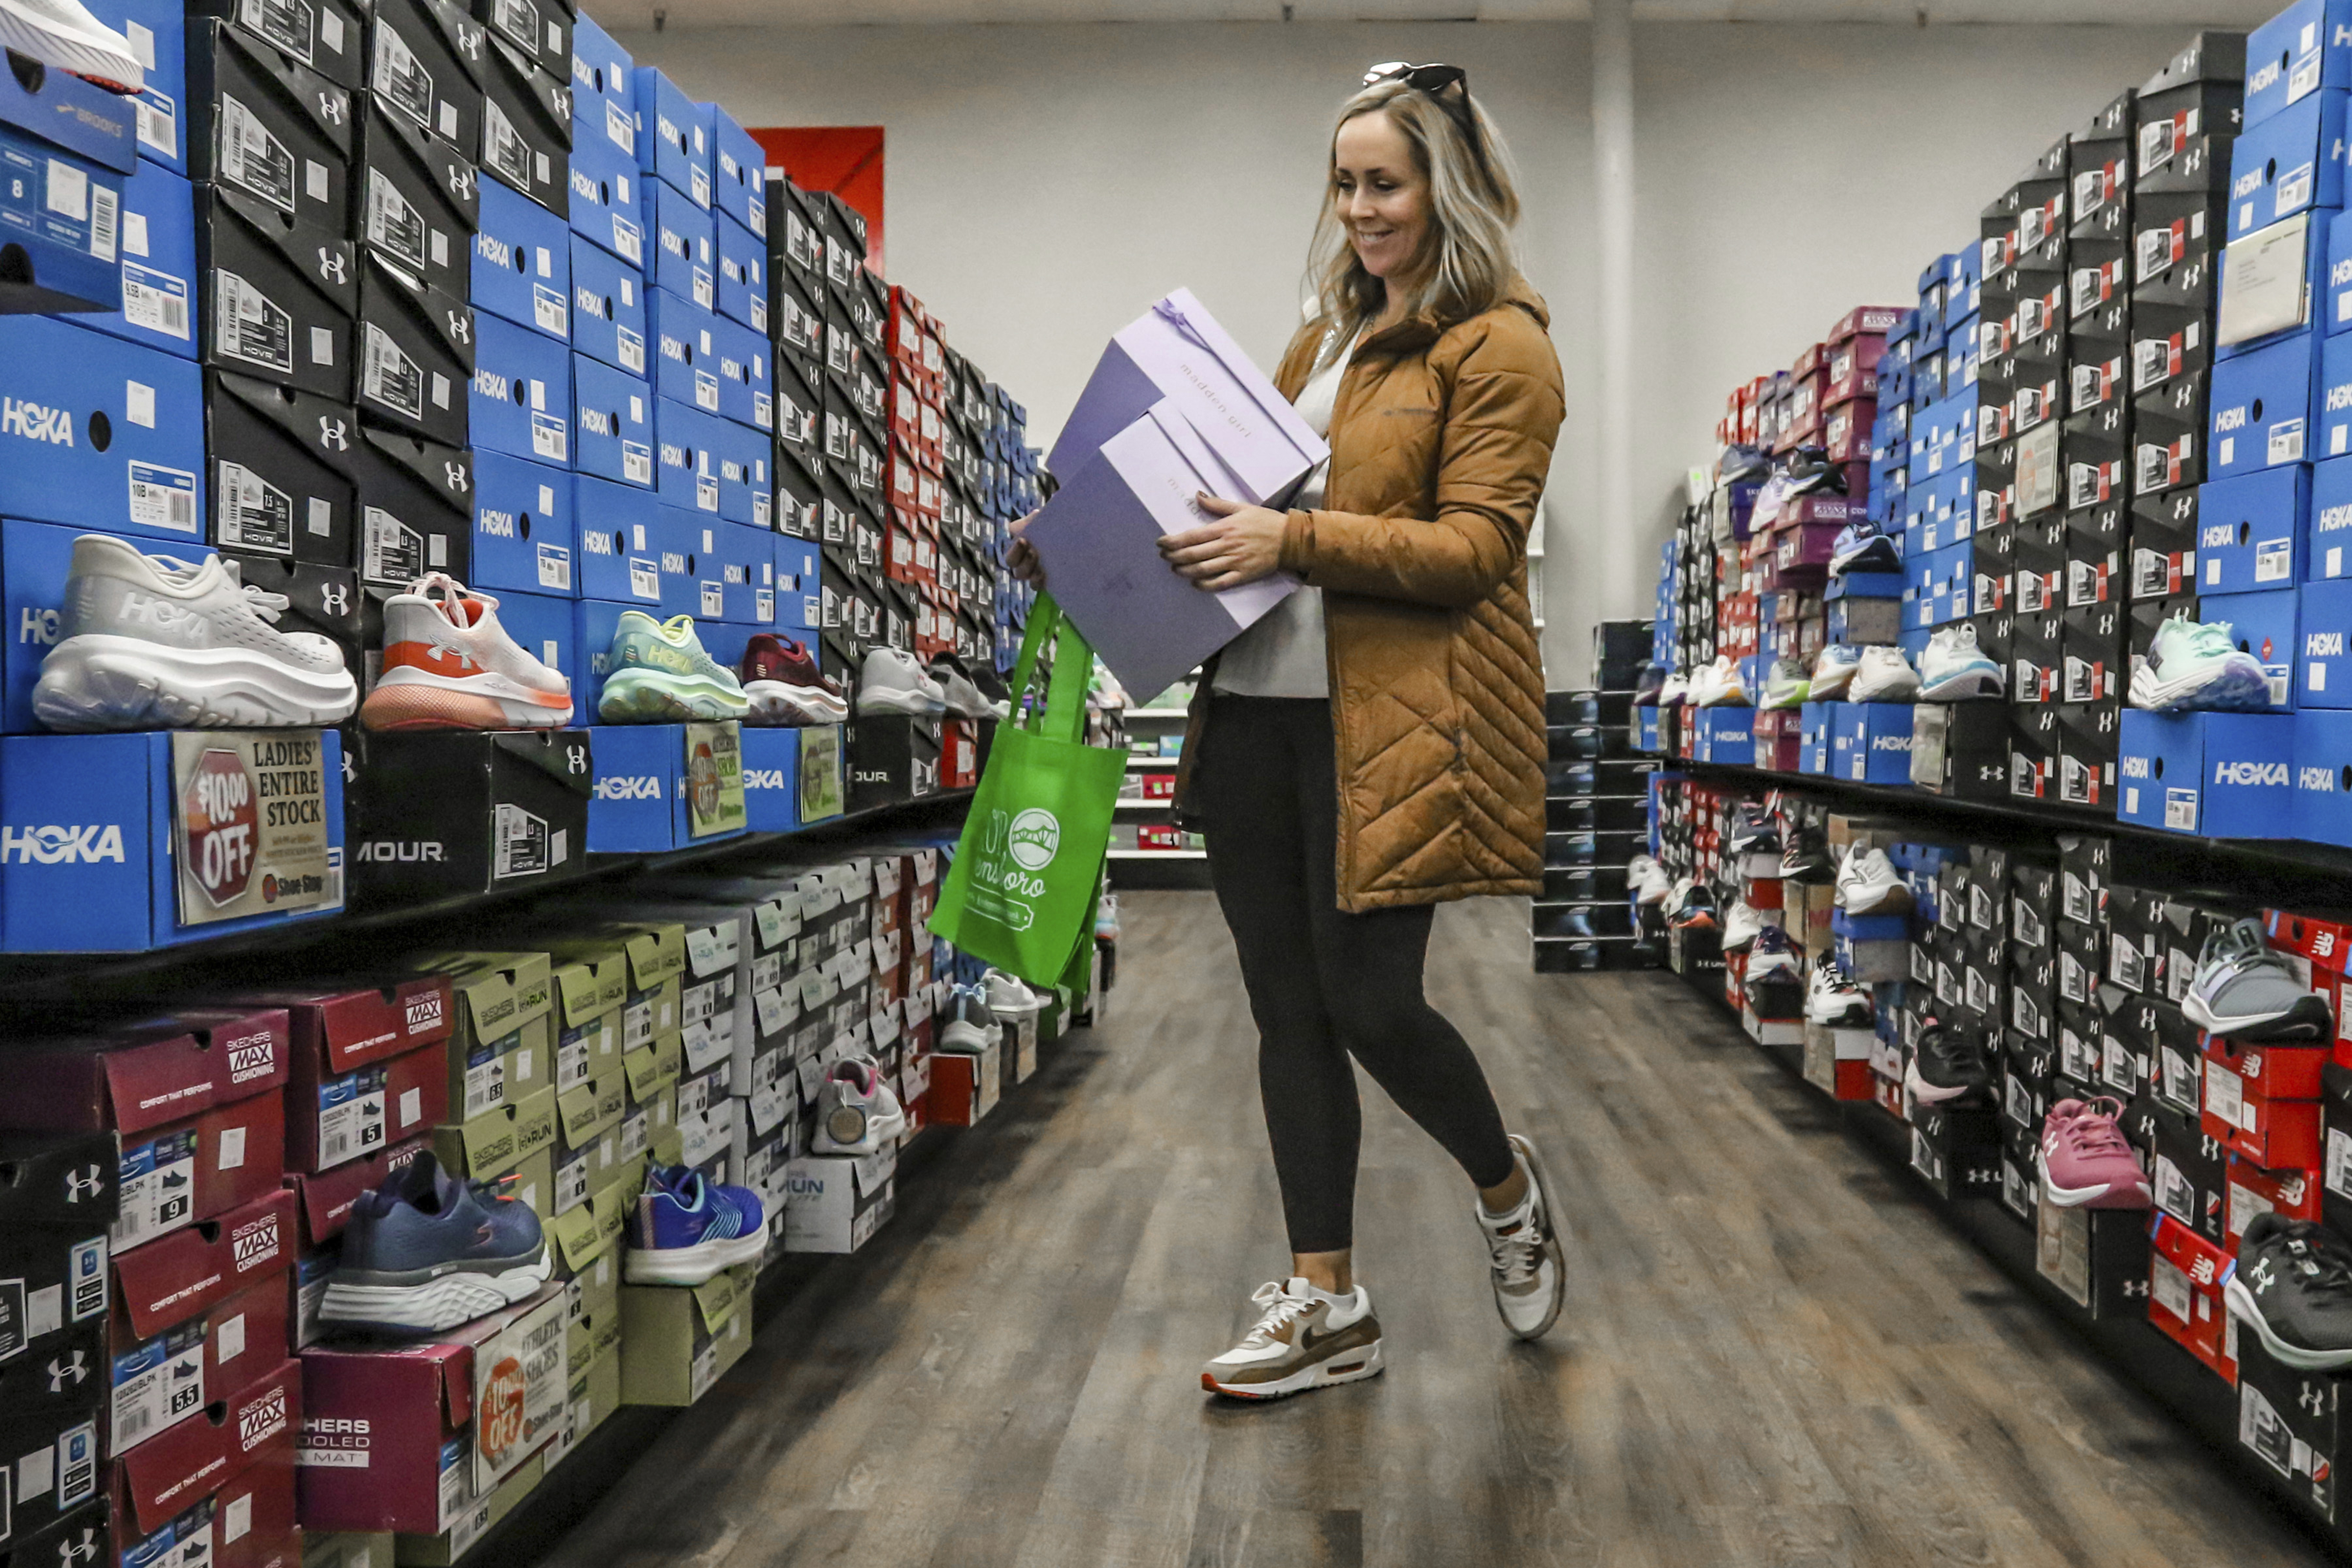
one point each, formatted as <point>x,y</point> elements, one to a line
<point>786,687</point>
<point>2085,1163</point>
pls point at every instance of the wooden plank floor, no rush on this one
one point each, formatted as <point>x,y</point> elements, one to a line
<point>1772,1355</point>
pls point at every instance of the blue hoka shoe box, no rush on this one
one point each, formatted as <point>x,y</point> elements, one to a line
<point>2303,49</point>
<point>612,423</point>
<point>522,263</point>
<point>608,308</point>
<point>689,551</point>
<point>158,252</point>
<point>682,337</point>
<point>2292,163</point>
<point>603,90</point>
<point>673,136</point>
<point>618,557</point>
<point>1870,742</point>
<point>98,432</point>
<point>86,856</point>
<point>1813,723</point>
<point>2250,529</point>
<point>741,455</point>
<point>772,778</point>
<point>548,628</point>
<point>738,174</point>
<point>2324,555</point>
<point>2322,671</point>
<point>520,401</point>
<point>640,804</point>
<point>742,276</point>
<point>2323,778</point>
<point>524,540</point>
<point>607,206</point>
<point>1728,735</point>
<point>799,599</point>
<point>681,244</point>
<point>2264,624</point>
<point>1646,729</point>
<point>745,394</point>
<point>2265,405</point>
<point>685,465</point>
<point>2217,775</point>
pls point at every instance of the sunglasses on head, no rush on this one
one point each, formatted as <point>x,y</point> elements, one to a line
<point>1430,81</point>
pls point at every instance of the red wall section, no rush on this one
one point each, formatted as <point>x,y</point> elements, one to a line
<point>843,158</point>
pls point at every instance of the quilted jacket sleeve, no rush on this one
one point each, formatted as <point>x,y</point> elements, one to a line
<point>1501,420</point>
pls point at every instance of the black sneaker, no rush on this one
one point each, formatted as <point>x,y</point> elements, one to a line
<point>1809,469</point>
<point>1805,857</point>
<point>1743,466</point>
<point>2292,1285</point>
<point>1949,1067</point>
<point>1755,830</point>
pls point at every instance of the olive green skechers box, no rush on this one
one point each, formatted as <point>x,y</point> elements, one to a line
<point>677,1340</point>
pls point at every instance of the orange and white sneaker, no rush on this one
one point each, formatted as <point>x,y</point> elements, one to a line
<point>448,665</point>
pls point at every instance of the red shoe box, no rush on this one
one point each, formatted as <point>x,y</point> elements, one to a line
<point>189,1365</point>
<point>248,1524</point>
<point>325,1199</point>
<point>1762,894</point>
<point>370,1067</point>
<point>177,1175</point>
<point>2269,1072</point>
<point>2275,1133</point>
<point>2242,1109</point>
<point>163,1476</point>
<point>1888,1093</point>
<point>2253,1190</point>
<point>196,1268</point>
<point>2184,1297</point>
<point>145,1075</point>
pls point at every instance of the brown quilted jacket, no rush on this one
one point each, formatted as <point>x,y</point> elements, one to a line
<point>1440,443</point>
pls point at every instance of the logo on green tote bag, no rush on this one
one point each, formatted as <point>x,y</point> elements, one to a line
<point>1036,834</point>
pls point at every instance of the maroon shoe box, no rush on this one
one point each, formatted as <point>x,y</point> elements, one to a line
<point>325,1198</point>
<point>189,1170</point>
<point>191,1362</point>
<point>251,1430</point>
<point>369,1066</point>
<point>144,1075</point>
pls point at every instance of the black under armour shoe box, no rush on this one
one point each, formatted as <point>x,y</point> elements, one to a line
<point>2163,547</point>
<point>2288,1420</point>
<point>2189,1172</point>
<point>419,200</point>
<point>329,36</point>
<point>539,30</point>
<point>1961,748</point>
<point>526,140</point>
<point>55,1210</point>
<point>2189,114</point>
<point>1957,1153</point>
<point>425,62</point>
<point>415,353</point>
<point>449,811</point>
<point>1584,884</point>
<point>2167,435</point>
<point>415,507</point>
<point>2096,1258</point>
<point>276,297</point>
<point>2336,1118</point>
<point>278,481</point>
<point>2099,173</point>
<point>892,757</point>
<point>264,125</point>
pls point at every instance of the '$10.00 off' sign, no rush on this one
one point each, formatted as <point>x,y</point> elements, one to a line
<point>218,810</point>
<point>1009,877</point>
<point>251,824</point>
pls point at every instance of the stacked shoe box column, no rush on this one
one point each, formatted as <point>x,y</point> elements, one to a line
<point>796,329</point>
<point>746,434</point>
<point>1596,818</point>
<point>913,468</point>
<point>615,517</point>
<point>850,530</point>
<point>681,309</point>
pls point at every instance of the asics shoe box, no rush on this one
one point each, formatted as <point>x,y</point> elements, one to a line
<point>2266,626</point>
<point>425,58</point>
<point>686,462</point>
<point>2251,531</point>
<point>2292,163</point>
<point>673,137</point>
<point>158,266</point>
<point>416,354</point>
<point>474,812</point>
<point>98,432</point>
<point>61,205</point>
<point>526,128</point>
<point>2265,405</point>
<point>419,199</point>
<point>744,461</point>
<point>2305,49</point>
<point>276,297</point>
<point>2167,430</point>
<point>742,274</point>
<point>745,392</point>
<point>665,787</point>
<point>2218,775</point>
<point>690,578</point>
<point>684,338</point>
<point>522,264</point>
<point>522,392</point>
<point>615,525</point>
<point>615,438</point>
<point>603,89</point>
<point>608,308</point>
<point>2322,794</point>
<point>2280,274</point>
<point>607,199</point>
<point>524,536</point>
<point>117,797</point>
<point>738,170</point>
<point>279,486</point>
<point>683,245</point>
<point>539,34</point>
<point>797,411</point>
<point>415,507</point>
<point>263,124</point>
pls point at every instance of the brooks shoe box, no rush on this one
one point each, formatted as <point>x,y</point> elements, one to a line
<point>260,121</point>
<point>615,419</point>
<point>522,264</point>
<point>526,128</point>
<point>524,535</point>
<point>616,525</point>
<point>472,812</point>
<point>275,296</point>
<point>606,198</point>
<point>158,252</point>
<point>418,196</point>
<point>279,480</point>
<point>415,507</point>
<point>673,136</point>
<point>100,432</point>
<point>416,354</point>
<point>521,398</point>
<point>2217,775</point>
<point>608,308</point>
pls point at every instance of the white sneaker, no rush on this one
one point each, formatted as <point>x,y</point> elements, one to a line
<point>1647,879</point>
<point>1526,1263</point>
<point>1718,684</point>
<point>1834,1001</point>
<point>449,665</point>
<point>856,1111</point>
<point>1883,676</point>
<point>150,642</point>
<point>2192,666</point>
<point>1954,669</point>
<point>1833,672</point>
<point>962,698</point>
<point>1009,998</point>
<point>1741,924</point>
<point>892,682</point>
<point>63,34</point>
<point>1676,691</point>
<point>1304,1339</point>
<point>1868,884</point>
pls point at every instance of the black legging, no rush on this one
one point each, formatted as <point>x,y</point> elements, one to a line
<point>1323,984</point>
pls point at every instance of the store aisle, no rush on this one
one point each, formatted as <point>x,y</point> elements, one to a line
<point>1772,1355</point>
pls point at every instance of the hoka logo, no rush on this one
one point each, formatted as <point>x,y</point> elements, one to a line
<point>497,252</point>
<point>2333,518</point>
<point>2320,780</point>
<point>1890,743</point>
<point>596,543</point>
<point>2248,183</point>
<point>491,384</point>
<point>673,348</point>
<point>585,187</point>
<point>674,456</point>
<point>763,778</point>
<point>2248,774</point>
<point>595,421</point>
<point>35,422</point>
<point>2136,767</point>
<point>590,304</point>
<point>61,845</point>
<point>645,788</point>
<point>498,524</point>
<point>2266,75</point>
<point>2339,398</point>
<point>2322,644</point>
<point>673,564</point>
<point>2216,536</point>
<point>262,1421</point>
<point>2230,419</point>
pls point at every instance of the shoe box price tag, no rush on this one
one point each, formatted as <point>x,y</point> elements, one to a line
<point>486,1076</point>
<point>352,1115</point>
<point>158,1180</point>
<point>572,1177</point>
<point>2225,1095</point>
<point>157,1383</point>
<point>576,1049</point>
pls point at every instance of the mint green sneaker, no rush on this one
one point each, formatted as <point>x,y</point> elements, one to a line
<point>656,673</point>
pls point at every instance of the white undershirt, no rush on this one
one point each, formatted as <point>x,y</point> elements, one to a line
<point>1283,653</point>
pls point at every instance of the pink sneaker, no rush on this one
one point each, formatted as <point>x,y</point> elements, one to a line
<point>2085,1163</point>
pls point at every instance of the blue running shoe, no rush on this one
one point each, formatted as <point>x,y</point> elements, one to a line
<point>426,1251</point>
<point>1863,547</point>
<point>685,1229</point>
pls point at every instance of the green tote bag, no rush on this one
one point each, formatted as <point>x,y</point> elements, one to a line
<point>1020,892</point>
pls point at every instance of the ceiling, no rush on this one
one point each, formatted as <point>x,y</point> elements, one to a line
<point>696,14</point>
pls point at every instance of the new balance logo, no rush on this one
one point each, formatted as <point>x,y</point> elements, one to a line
<point>61,845</point>
<point>35,422</point>
<point>645,788</point>
<point>2248,774</point>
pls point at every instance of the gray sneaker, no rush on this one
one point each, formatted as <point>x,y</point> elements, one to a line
<point>970,1026</point>
<point>1305,1338</point>
<point>964,700</point>
<point>2244,991</point>
<point>1529,1270</point>
<point>150,642</point>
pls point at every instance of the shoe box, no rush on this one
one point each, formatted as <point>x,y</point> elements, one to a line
<point>2288,1420</point>
<point>677,1341</point>
<point>608,308</point>
<point>2324,557</point>
<point>683,237</point>
<point>797,413</point>
<point>2096,1258</point>
<point>665,787</point>
<point>892,757</point>
<point>426,58</point>
<point>90,435</point>
<point>524,536</point>
<point>2262,1102</point>
<point>470,813</point>
<point>614,439</point>
<point>420,200</point>
<point>261,122</point>
<point>406,1441</point>
<point>2280,272</point>
<point>521,270</point>
<point>606,194</point>
<point>686,544</point>
<point>2265,625</point>
<point>414,501</point>
<point>369,1066</point>
<point>156,259</point>
<point>2164,530</point>
<point>743,270</point>
<point>746,394</point>
<point>682,334</point>
<point>278,487</point>
<point>520,398</point>
<point>2280,167</point>
<point>526,128</point>
<point>686,464</point>
<point>417,354</point>
<point>673,137</point>
<point>277,297</point>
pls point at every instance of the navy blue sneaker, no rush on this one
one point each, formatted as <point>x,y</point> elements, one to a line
<point>426,1251</point>
<point>685,1229</point>
<point>1862,547</point>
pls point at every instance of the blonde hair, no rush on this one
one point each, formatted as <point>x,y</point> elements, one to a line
<point>1468,261</point>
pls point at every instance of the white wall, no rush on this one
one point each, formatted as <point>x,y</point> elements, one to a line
<point>1046,183</point>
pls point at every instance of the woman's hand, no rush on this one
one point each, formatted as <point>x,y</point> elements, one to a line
<point>1244,544</point>
<point>1021,557</point>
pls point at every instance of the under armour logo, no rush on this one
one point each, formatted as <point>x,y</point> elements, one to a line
<point>2313,1398</point>
<point>335,598</point>
<point>66,1371</point>
<point>351,769</point>
<point>444,650</point>
<point>82,1551</point>
<point>456,472</point>
<point>331,107</point>
<point>331,264</point>
<point>87,1182</point>
<point>577,759</point>
<point>333,434</point>
<point>461,183</point>
<point>461,325</point>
